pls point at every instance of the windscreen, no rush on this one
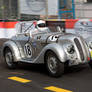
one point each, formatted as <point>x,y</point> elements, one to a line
<point>56,26</point>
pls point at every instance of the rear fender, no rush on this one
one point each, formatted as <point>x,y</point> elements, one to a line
<point>14,48</point>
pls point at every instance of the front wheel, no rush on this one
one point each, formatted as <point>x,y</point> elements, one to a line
<point>53,64</point>
<point>9,59</point>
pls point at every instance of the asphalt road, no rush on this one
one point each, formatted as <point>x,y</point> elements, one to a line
<point>36,79</point>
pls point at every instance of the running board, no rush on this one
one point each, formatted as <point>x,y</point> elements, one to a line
<point>27,60</point>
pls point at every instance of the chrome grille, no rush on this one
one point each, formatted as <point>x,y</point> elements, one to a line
<point>79,48</point>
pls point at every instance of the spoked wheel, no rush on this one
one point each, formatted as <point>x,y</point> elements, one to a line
<point>53,64</point>
<point>9,59</point>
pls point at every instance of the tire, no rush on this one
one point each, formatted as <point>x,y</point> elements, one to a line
<point>90,64</point>
<point>9,59</point>
<point>54,66</point>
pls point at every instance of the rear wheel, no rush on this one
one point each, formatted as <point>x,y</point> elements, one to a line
<point>53,64</point>
<point>9,59</point>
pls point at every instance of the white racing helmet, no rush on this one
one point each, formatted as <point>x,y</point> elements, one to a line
<point>41,25</point>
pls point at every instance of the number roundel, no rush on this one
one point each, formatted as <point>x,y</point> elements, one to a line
<point>28,50</point>
<point>53,37</point>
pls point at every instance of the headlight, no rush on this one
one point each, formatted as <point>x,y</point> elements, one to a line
<point>70,49</point>
<point>90,45</point>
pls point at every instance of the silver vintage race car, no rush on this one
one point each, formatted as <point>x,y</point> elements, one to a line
<point>38,44</point>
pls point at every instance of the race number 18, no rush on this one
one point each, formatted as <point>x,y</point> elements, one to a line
<point>28,50</point>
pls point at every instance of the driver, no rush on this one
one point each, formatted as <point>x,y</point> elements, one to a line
<point>41,26</point>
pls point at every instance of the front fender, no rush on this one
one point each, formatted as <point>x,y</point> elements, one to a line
<point>58,50</point>
<point>89,42</point>
<point>14,48</point>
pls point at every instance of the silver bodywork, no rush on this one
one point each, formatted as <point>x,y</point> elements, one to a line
<point>33,49</point>
<point>89,45</point>
<point>84,28</point>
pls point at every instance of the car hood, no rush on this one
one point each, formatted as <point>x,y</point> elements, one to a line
<point>53,37</point>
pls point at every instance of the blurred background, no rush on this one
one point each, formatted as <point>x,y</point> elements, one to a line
<point>27,10</point>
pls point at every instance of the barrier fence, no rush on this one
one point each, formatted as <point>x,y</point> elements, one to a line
<point>8,29</point>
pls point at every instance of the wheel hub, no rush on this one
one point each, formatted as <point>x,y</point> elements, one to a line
<point>8,58</point>
<point>52,64</point>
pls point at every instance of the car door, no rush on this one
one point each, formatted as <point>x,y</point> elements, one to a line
<point>23,38</point>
